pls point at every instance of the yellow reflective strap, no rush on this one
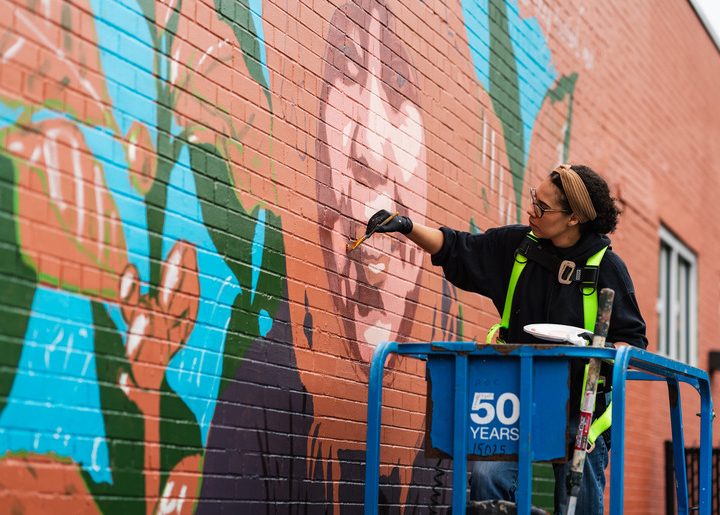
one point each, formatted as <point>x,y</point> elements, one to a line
<point>518,267</point>
<point>600,424</point>
<point>491,333</point>
<point>590,303</point>
<point>590,307</point>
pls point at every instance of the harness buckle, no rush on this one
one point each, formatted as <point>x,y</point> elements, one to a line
<point>565,272</point>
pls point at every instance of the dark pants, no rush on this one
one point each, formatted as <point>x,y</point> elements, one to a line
<point>498,480</point>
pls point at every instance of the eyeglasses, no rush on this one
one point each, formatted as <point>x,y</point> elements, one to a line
<point>540,210</point>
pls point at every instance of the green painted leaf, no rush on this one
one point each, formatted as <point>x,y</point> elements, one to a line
<point>565,89</point>
<point>179,432</point>
<point>18,282</point>
<point>232,230</point>
<point>505,94</point>
<point>124,426</point>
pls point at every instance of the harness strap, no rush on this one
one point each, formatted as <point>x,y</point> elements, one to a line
<point>518,267</point>
<point>587,276</point>
<point>567,271</point>
<point>590,303</point>
<point>590,308</point>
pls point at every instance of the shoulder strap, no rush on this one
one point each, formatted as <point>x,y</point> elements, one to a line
<point>590,307</point>
<point>518,267</point>
<point>590,303</point>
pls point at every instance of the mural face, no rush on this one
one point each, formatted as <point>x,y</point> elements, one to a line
<point>371,156</point>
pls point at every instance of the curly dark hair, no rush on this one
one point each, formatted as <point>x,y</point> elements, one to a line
<point>605,206</point>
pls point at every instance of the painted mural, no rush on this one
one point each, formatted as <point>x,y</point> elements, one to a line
<point>528,127</point>
<point>170,343</point>
<point>137,293</point>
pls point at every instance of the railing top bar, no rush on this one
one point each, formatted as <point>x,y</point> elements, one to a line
<point>661,365</point>
<point>638,358</point>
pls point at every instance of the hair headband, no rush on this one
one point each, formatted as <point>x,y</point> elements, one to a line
<point>576,193</point>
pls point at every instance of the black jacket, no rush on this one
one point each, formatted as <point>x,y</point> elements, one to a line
<point>482,263</point>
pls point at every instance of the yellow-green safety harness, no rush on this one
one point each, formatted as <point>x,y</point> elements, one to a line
<point>590,307</point>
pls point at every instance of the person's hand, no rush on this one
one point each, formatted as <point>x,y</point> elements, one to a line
<point>379,223</point>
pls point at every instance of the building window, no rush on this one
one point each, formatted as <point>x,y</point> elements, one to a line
<point>677,301</point>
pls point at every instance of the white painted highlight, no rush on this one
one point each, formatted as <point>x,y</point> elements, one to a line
<point>375,204</point>
<point>79,186</point>
<point>172,276</point>
<point>376,268</point>
<point>136,332</point>
<point>13,50</point>
<point>377,333</point>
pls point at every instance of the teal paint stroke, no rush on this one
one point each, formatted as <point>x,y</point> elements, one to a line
<point>9,115</point>
<point>256,253</point>
<point>533,60</point>
<point>195,371</point>
<point>126,55</point>
<point>265,322</point>
<point>256,14</point>
<point>54,404</point>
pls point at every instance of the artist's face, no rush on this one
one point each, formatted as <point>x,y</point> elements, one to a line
<point>375,153</point>
<point>554,221</point>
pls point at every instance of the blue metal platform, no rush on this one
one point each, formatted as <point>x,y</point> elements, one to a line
<point>521,376</point>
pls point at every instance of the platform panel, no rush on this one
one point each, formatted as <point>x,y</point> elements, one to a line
<point>493,408</point>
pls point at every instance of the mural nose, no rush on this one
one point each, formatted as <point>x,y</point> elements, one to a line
<point>367,165</point>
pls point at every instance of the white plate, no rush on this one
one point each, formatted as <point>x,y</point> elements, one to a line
<point>557,333</point>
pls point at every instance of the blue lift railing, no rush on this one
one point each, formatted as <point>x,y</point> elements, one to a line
<point>630,363</point>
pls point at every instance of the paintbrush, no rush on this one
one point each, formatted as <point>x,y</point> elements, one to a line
<point>360,240</point>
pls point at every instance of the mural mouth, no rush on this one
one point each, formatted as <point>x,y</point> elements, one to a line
<point>376,267</point>
<point>364,274</point>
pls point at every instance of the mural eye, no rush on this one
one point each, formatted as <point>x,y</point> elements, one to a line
<point>352,67</point>
<point>399,73</point>
<point>397,77</point>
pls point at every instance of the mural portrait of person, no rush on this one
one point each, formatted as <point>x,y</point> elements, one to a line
<point>371,155</point>
<point>159,266</point>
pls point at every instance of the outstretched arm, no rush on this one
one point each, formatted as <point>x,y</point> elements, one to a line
<point>429,239</point>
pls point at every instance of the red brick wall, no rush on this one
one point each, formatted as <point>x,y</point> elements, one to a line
<point>181,326</point>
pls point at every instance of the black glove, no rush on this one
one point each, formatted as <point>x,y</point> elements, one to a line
<point>398,224</point>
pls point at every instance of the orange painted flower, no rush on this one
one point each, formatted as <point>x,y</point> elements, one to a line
<point>69,225</point>
<point>58,40</point>
<point>181,488</point>
<point>158,327</point>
